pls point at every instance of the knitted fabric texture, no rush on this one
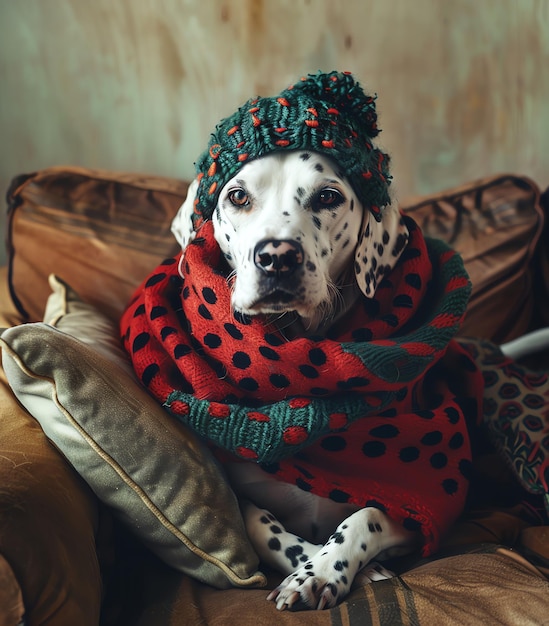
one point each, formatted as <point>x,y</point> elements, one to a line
<point>373,415</point>
<point>326,113</point>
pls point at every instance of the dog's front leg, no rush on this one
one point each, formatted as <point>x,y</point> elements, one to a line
<point>275,546</point>
<point>326,578</point>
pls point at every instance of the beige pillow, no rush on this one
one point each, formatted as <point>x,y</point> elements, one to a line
<point>66,311</point>
<point>156,474</point>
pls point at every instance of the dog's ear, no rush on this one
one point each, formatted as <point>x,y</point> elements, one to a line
<point>182,223</point>
<point>379,247</point>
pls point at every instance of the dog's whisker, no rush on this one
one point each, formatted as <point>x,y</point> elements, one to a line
<point>231,278</point>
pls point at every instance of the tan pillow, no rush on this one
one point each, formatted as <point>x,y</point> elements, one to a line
<point>157,475</point>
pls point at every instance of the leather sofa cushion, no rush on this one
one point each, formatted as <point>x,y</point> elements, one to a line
<point>103,232</point>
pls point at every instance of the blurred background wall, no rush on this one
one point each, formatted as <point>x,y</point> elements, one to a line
<point>137,85</point>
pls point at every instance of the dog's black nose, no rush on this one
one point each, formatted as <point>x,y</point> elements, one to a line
<point>278,257</point>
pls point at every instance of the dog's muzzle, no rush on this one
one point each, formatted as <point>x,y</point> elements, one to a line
<point>278,258</point>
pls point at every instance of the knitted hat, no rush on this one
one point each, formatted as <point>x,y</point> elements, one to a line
<point>326,113</point>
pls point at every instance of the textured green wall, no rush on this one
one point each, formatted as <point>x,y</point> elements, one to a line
<point>138,84</point>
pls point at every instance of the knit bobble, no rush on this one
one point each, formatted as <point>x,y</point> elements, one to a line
<point>341,92</point>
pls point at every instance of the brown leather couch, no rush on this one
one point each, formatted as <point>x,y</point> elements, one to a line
<point>65,559</point>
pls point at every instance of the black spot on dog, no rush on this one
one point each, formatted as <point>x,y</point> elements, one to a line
<point>305,156</point>
<point>319,167</point>
<point>293,553</point>
<point>338,537</point>
<point>276,530</point>
<point>300,192</point>
<point>274,544</point>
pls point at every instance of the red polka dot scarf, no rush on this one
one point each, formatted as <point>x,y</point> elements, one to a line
<point>374,414</point>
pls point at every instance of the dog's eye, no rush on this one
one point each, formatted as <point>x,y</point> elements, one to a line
<point>327,199</point>
<point>239,197</point>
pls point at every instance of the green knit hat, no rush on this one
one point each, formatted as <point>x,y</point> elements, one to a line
<point>327,113</point>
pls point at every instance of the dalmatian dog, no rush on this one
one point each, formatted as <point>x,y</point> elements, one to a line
<point>294,236</point>
<point>292,229</point>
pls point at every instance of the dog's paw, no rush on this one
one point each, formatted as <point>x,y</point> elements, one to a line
<point>303,590</point>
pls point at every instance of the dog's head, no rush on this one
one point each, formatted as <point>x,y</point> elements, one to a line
<point>298,195</point>
<point>297,237</point>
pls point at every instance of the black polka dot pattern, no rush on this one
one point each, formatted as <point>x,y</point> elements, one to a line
<point>241,360</point>
<point>233,331</point>
<point>140,341</point>
<point>334,443</point>
<point>269,353</point>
